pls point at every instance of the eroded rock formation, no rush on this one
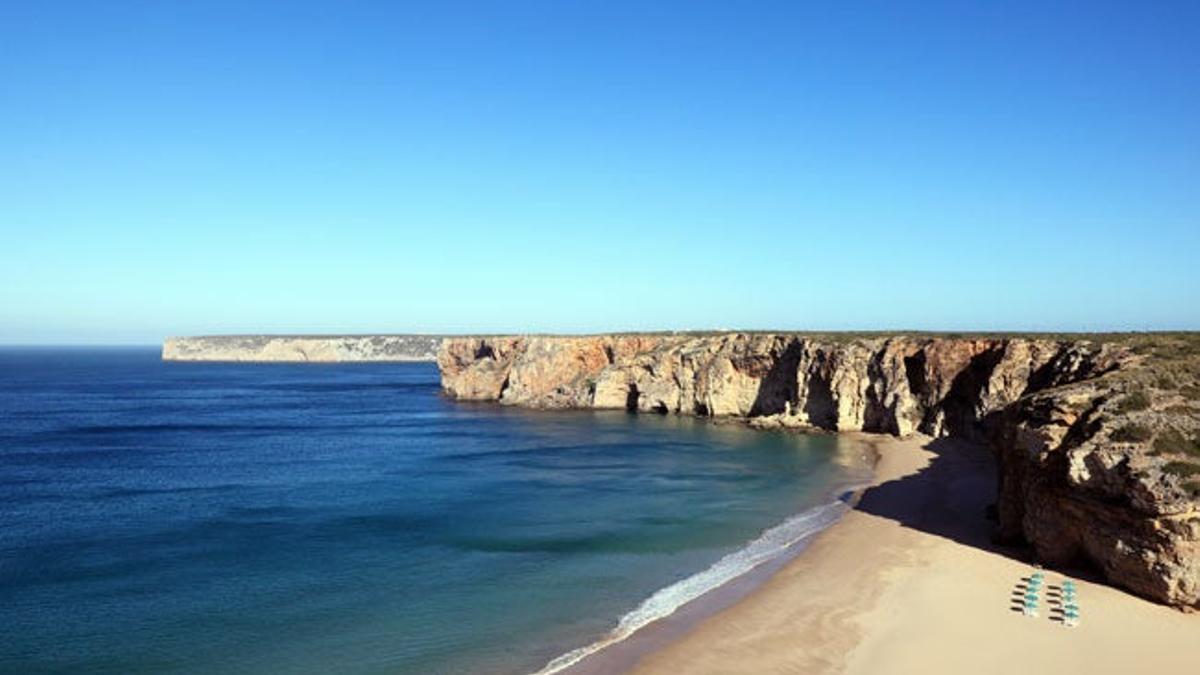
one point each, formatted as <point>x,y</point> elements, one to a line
<point>1077,426</point>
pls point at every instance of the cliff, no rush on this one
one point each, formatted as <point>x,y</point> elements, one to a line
<point>1097,441</point>
<point>300,348</point>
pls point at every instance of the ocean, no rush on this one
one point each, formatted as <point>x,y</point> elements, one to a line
<point>269,518</point>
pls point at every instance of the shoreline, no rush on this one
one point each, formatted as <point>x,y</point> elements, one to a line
<point>618,653</point>
<point>910,572</point>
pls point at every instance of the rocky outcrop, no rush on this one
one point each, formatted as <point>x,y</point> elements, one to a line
<point>300,348</point>
<point>1083,474</point>
<point>1084,478</point>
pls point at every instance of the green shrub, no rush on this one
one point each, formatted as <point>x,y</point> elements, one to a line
<point>1184,469</point>
<point>1132,433</point>
<point>1193,487</point>
<point>1174,442</point>
<point>1136,400</point>
<point>1165,383</point>
<point>1177,347</point>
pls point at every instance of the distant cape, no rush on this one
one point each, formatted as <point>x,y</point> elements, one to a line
<point>302,348</point>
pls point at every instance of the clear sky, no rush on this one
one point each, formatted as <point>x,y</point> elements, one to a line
<point>209,167</point>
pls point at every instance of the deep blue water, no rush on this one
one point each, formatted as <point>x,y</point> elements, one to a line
<point>210,518</point>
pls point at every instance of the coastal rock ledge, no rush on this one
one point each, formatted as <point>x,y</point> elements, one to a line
<point>1097,438</point>
<point>302,348</point>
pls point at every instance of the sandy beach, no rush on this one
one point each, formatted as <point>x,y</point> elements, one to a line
<point>908,582</point>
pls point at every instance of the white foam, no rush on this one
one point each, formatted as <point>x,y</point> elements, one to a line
<point>770,544</point>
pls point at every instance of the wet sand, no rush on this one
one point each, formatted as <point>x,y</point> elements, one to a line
<point>909,582</point>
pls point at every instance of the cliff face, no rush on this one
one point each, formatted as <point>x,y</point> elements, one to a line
<point>1093,449</point>
<point>285,348</point>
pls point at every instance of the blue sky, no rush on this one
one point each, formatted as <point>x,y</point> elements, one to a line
<point>180,168</point>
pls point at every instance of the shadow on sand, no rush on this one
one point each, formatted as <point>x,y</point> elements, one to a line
<point>949,498</point>
<point>952,498</point>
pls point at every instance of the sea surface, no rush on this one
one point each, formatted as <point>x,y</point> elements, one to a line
<point>230,518</point>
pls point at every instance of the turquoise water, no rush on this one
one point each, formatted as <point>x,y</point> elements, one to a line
<point>219,518</point>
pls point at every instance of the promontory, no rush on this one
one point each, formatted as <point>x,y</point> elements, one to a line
<point>1096,438</point>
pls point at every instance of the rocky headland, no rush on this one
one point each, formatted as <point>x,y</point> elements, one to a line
<point>1096,438</point>
<point>302,348</point>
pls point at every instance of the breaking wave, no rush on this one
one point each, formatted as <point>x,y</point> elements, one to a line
<point>769,545</point>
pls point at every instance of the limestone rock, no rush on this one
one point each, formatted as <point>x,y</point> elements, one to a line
<point>302,348</point>
<point>1077,478</point>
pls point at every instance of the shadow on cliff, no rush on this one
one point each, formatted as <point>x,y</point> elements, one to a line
<point>778,385</point>
<point>951,497</point>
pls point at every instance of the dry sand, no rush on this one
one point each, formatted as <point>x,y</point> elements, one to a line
<point>908,582</point>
